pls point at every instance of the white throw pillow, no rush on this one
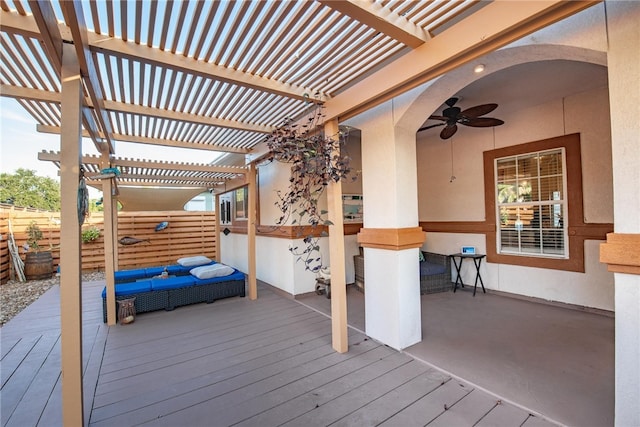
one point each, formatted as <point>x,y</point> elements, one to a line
<point>194,261</point>
<point>209,271</point>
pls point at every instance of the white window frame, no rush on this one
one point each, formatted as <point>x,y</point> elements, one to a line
<point>539,203</point>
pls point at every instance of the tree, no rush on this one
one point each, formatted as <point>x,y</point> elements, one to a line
<point>24,188</point>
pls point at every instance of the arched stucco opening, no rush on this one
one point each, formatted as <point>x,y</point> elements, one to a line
<point>461,205</point>
<point>448,85</point>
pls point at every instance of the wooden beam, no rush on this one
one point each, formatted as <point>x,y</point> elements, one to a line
<point>47,25</point>
<point>157,141</point>
<point>251,232</point>
<point>116,161</point>
<point>147,55</point>
<point>621,253</point>
<point>339,331</point>
<point>121,107</point>
<point>74,17</point>
<point>143,53</point>
<point>393,239</point>
<point>70,248</point>
<point>109,241</point>
<point>381,19</point>
<point>493,26</point>
<point>51,35</point>
<point>178,166</point>
<point>160,178</point>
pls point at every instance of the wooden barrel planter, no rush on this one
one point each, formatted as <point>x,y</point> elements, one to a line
<point>38,265</point>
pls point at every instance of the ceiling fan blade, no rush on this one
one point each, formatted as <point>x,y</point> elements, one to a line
<point>448,131</point>
<point>483,122</point>
<point>479,110</point>
<point>438,118</point>
<point>431,126</point>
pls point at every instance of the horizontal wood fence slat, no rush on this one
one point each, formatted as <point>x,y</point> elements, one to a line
<point>188,233</point>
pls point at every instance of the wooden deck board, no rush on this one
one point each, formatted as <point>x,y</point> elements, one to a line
<point>234,362</point>
<point>210,369</point>
<point>24,376</point>
<point>504,414</point>
<point>360,396</point>
<point>534,421</point>
<point>45,377</point>
<point>17,350</point>
<point>429,407</point>
<point>273,391</point>
<point>223,392</point>
<point>304,394</point>
<point>149,351</point>
<point>467,411</point>
<point>395,401</point>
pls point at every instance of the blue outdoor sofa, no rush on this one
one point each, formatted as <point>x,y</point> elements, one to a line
<point>153,292</point>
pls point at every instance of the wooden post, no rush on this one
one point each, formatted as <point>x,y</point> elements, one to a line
<point>216,200</point>
<point>251,232</point>
<point>70,248</point>
<point>109,245</point>
<point>336,257</point>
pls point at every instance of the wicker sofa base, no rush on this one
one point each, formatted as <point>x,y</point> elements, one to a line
<point>429,284</point>
<point>205,293</point>
<point>172,298</point>
<point>433,283</point>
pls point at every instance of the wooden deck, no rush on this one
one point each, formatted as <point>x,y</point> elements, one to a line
<point>235,362</point>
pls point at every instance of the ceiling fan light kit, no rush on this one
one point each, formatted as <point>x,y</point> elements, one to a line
<point>453,115</point>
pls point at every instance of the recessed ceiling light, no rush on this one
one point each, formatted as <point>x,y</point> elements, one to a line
<point>478,68</point>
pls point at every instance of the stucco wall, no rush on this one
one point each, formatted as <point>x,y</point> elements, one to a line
<point>275,264</point>
<point>463,199</point>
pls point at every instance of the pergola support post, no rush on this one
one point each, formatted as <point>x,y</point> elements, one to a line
<point>336,257</point>
<point>109,244</point>
<point>70,248</point>
<point>251,231</point>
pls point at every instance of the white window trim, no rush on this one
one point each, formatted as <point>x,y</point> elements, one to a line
<point>564,203</point>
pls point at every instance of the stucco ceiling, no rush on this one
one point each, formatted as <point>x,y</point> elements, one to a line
<point>530,84</point>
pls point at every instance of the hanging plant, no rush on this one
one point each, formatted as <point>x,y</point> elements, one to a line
<point>315,160</point>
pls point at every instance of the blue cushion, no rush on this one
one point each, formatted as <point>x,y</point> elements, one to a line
<point>210,271</point>
<point>172,283</point>
<point>429,269</point>
<point>130,288</point>
<point>153,271</point>
<point>236,275</point>
<point>129,275</point>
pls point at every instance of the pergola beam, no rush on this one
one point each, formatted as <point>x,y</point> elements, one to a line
<point>205,182</point>
<point>51,37</point>
<point>143,53</point>
<point>74,17</point>
<point>115,161</point>
<point>121,107</point>
<point>47,24</point>
<point>157,141</point>
<point>493,26</point>
<point>381,19</point>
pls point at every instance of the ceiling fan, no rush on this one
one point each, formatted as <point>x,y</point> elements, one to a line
<point>451,116</point>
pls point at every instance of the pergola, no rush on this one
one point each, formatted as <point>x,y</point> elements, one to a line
<point>218,77</point>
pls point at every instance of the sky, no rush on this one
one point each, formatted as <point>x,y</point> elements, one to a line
<point>20,144</point>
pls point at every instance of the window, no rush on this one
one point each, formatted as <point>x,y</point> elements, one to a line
<point>531,204</point>
<point>241,203</point>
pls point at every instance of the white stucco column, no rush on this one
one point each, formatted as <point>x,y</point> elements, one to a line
<point>623,247</point>
<point>391,236</point>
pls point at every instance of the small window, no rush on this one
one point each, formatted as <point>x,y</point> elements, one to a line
<point>241,203</point>
<point>531,207</point>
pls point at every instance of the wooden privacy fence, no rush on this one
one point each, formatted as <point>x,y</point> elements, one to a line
<point>188,233</point>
